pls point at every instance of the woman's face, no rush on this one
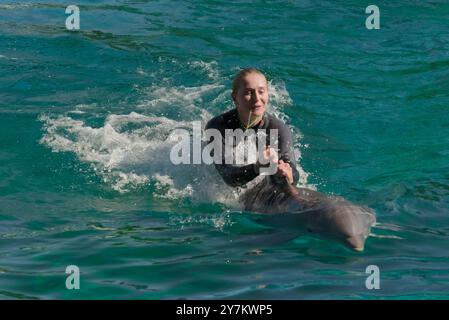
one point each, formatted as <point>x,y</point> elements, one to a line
<point>252,95</point>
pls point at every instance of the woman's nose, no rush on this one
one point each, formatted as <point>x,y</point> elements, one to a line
<point>256,96</point>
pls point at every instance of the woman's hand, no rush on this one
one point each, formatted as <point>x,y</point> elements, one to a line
<point>284,170</point>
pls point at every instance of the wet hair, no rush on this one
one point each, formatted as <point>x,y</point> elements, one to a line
<point>242,74</point>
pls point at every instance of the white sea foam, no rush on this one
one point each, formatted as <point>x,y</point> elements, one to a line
<point>279,98</point>
<point>180,102</point>
<point>131,151</point>
<point>7,58</point>
<point>209,68</point>
<point>16,6</point>
<point>141,71</point>
<point>164,181</point>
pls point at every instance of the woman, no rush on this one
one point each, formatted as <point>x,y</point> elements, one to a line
<point>250,96</point>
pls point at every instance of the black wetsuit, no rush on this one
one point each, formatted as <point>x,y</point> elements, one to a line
<point>240,175</point>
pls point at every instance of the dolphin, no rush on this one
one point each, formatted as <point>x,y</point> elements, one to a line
<point>288,206</point>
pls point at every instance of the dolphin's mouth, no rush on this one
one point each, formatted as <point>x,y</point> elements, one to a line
<point>356,243</point>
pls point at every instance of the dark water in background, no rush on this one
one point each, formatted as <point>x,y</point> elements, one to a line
<point>84,173</point>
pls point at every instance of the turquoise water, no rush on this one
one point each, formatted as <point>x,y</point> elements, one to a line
<point>85,177</point>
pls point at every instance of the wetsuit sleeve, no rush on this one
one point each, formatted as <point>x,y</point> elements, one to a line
<point>233,175</point>
<point>286,150</point>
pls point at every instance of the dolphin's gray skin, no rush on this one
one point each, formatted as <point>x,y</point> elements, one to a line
<point>293,207</point>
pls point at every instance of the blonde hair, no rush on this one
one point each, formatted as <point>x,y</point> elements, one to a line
<point>242,74</point>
